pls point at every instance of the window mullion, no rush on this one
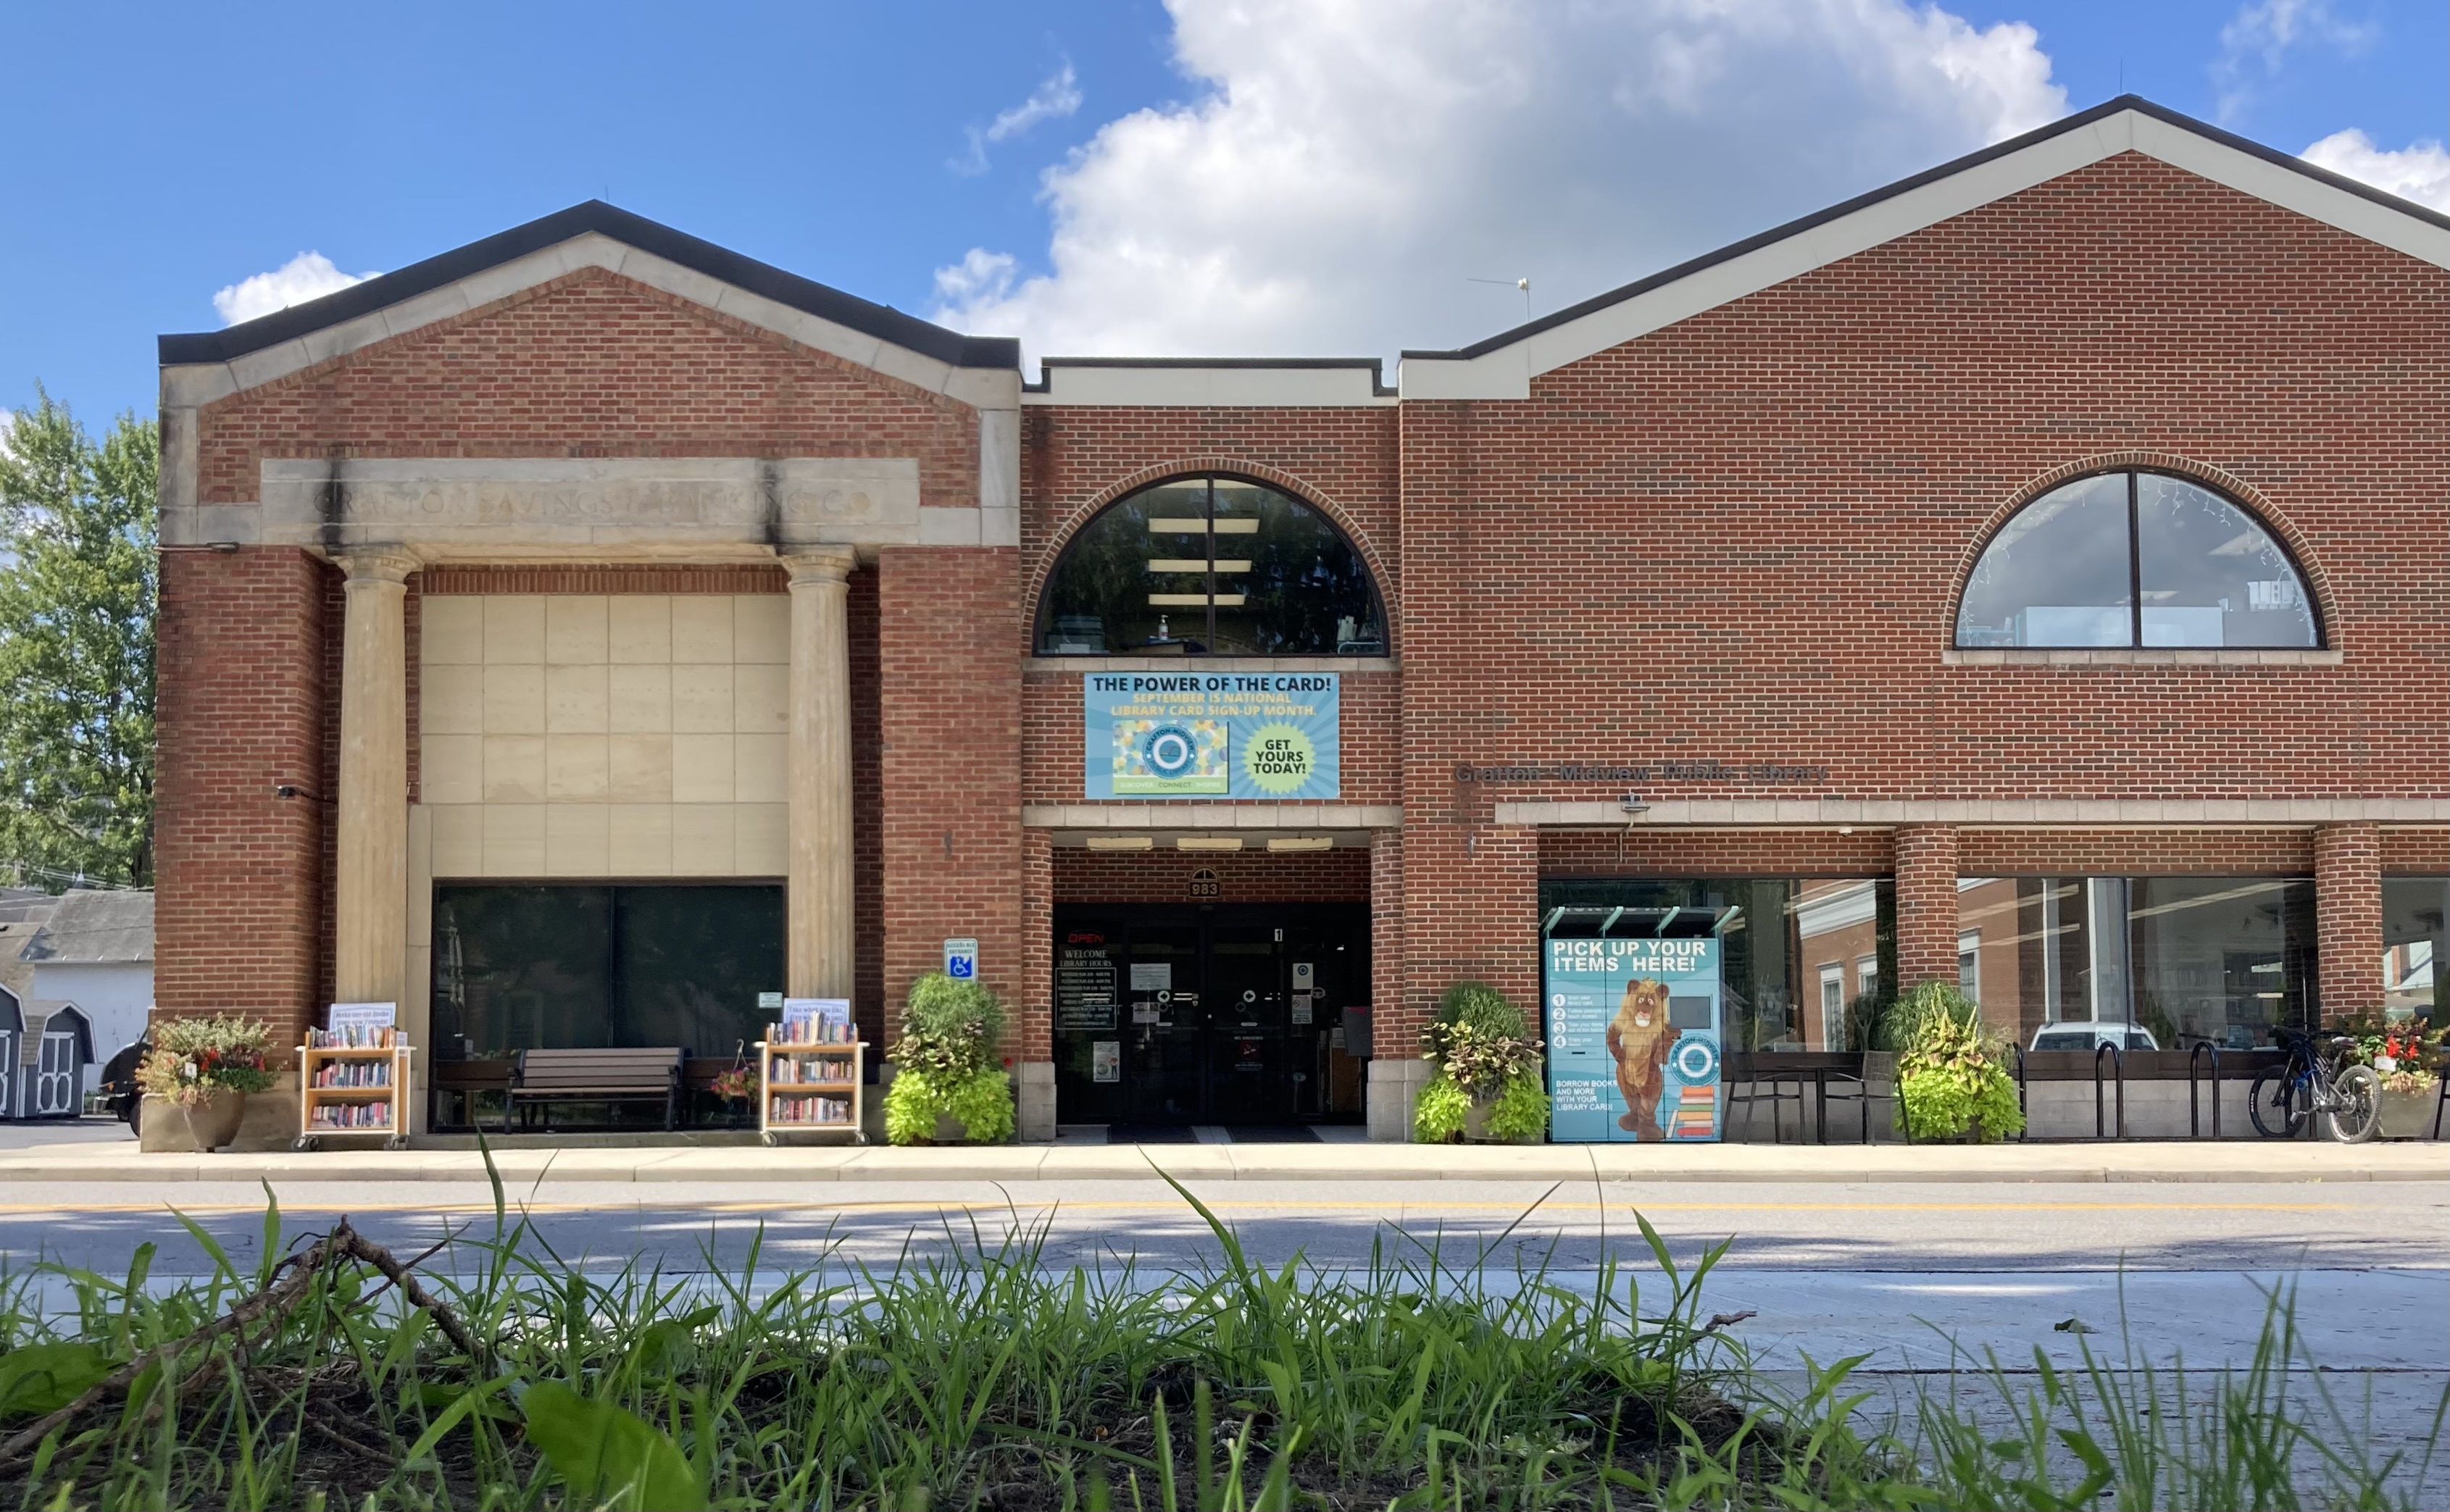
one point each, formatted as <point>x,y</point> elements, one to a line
<point>1212,566</point>
<point>2134,567</point>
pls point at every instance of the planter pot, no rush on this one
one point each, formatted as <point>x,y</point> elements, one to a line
<point>950,1131</point>
<point>1475,1125</point>
<point>2409,1115</point>
<point>213,1120</point>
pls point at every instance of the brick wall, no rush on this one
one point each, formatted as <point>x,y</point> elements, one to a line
<point>2347,917</point>
<point>239,922</point>
<point>2412,851</point>
<point>591,364</point>
<point>1716,853</point>
<point>1164,877</point>
<point>949,706</point>
<point>1926,869</point>
<point>2135,852</point>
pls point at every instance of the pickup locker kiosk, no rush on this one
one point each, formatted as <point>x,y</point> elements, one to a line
<point>1634,1024</point>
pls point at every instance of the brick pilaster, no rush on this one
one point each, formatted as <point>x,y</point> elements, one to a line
<point>1386,964</point>
<point>1926,905</point>
<point>1033,989</point>
<point>2347,917</point>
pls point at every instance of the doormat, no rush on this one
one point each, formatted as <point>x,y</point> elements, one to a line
<point>1150,1133</point>
<point>1294,1133</point>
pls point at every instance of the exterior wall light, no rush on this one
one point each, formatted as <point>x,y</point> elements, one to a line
<point>1282,843</point>
<point>1209,843</point>
<point>1122,841</point>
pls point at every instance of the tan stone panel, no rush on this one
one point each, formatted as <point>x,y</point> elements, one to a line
<point>705,842</point>
<point>640,699</point>
<point>763,838</point>
<point>514,769</point>
<point>574,836</point>
<point>574,629</point>
<point>514,628</point>
<point>575,700</point>
<point>638,628</point>
<point>702,627</point>
<point>639,839</point>
<point>451,768</point>
<point>515,700</point>
<point>757,766</point>
<point>701,699</point>
<point>761,629</point>
<point>451,700</point>
<point>642,768</point>
<point>513,840</point>
<point>459,840</point>
<point>761,699</point>
<point>701,769</point>
<point>577,768</point>
<point>452,633</point>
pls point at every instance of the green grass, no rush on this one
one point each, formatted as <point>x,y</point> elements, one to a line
<point>972,1375</point>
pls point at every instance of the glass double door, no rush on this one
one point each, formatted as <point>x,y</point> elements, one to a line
<point>1203,1016</point>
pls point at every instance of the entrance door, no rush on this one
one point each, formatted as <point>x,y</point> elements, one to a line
<point>55,1078</point>
<point>1207,1014</point>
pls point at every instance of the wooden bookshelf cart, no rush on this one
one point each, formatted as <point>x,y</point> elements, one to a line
<point>811,1089</point>
<point>387,1101</point>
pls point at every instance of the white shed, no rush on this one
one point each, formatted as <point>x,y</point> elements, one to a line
<point>95,950</point>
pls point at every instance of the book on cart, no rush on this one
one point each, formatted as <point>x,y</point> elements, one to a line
<point>809,1068</point>
<point>352,1077</point>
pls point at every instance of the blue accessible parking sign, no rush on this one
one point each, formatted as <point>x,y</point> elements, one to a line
<point>962,959</point>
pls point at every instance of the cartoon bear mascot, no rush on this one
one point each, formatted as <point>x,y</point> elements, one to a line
<point>1640,1039</point>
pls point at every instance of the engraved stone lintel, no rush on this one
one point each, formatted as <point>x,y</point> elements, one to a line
<point>468,506</point>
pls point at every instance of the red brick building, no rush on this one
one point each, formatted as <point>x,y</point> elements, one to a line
<point>2030,575</point>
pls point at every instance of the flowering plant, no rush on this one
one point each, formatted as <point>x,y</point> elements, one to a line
<point>2408,1054</point>
<point>192,1058</point>
<point>1484,1052</point>
<point>739,1082</point>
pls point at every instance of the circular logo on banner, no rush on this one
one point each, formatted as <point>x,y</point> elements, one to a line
<point>1278,758</point>
<point>1170,751</point>
<point>1696,1060</point>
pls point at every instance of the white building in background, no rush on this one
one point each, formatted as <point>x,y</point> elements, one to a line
<point>95,951</point>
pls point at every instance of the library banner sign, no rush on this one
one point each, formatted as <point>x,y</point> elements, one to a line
<point>1247,735</point>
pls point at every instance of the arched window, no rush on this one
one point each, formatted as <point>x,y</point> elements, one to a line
<point>2135,558</point>
<point>1210,566</point>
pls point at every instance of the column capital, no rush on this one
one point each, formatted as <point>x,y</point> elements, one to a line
<point>378,564</point>
<point>818,564</point>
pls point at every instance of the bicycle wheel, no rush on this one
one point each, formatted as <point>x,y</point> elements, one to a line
<point>2357,1094</point>
<point>2274,1104</point>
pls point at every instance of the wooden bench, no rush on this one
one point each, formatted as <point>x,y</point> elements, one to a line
<point>596,1076</point>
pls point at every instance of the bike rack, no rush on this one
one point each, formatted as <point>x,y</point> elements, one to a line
<point>2194,1119</point>
<point>2022,1110</point>
<point>2118,1071</point>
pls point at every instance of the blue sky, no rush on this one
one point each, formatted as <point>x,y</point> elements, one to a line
<point>1265,176</point>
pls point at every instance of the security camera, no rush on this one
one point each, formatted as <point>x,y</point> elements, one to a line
<point>284,791</point>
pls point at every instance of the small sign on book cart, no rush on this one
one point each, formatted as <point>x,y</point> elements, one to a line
<point>352,1077</point>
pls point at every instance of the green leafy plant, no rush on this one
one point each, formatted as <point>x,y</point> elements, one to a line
<point>1952,1077</point>
<point>944,1064</point>
<point>1486,1055</point>
<point>193,1058</point>
<point>608,1457</point>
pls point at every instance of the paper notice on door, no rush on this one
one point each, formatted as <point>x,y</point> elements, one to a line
<point>1143,1013</point>
<point>1301,1007</point>
<point>1151,976</point>
<point>1105,1061</point>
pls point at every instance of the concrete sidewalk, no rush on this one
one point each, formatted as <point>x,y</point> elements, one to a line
<point>527,1159</point>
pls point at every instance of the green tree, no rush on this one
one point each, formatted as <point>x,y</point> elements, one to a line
<point>77,597</point>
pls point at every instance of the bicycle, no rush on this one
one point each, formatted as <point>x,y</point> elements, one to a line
<point>2312,1082</point>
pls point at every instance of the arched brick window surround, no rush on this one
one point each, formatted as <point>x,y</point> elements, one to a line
<point>2237,490</point>
<point>1305,492</point>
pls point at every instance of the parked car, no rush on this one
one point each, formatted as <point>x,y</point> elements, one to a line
<point>119,1090</point>
<point>2094,1033</point>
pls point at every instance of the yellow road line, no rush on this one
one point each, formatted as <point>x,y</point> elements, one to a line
<point>1052,1203</point>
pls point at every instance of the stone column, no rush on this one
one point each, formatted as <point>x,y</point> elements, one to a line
<point>822,941</point>
<point>1926,905</point>
<point>2347,917</point>
<point>370,881</point>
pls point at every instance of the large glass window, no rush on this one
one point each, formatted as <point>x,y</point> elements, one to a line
<point>2145,962</point>
<point>2413,945</point>
<point>582,966</point>
<point>1210,566</point>
<point>2125,559</point>
<point>1803,962</point>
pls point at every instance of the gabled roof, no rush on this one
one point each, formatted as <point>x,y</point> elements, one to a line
<point>1502,365</point>
<point>89,926</point>
<point>391,291</point>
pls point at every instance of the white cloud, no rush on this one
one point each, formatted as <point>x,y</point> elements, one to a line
<point>307,276</point>
<point>1354,161</point>
<point>2262,31</point>
<point>2419,172</point>
<point>1056,97</point>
